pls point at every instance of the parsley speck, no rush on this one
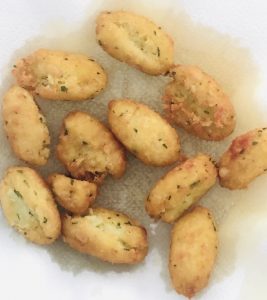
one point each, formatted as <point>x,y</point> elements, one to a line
<point>18,193</point>
<point>194,184</point>
<point>64,89</point>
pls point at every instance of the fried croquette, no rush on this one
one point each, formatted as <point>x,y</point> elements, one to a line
<point>144,132</point>
<point>196,102</point>
<point>135,40</point>
<point>180,188</point>
<point>25,126</point>
<point>106,234</point>
<point>28,205</point>
<point>72,194</point>
<point>59,75</point>
<point>193,251</point>
<point>88,149</point>
<point>245,159</point>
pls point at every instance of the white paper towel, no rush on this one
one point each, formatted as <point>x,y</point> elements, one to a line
<point>231,47</point>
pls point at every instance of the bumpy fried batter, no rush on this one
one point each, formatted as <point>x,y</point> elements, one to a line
<point>25,126</point>
<point>196,102</point>
<point>29,206</point>
<point>180,188</point>
<point>106,234</point>
<point>144,132</point>
<point>74,195</point>
<point>88,149</point>
<point>193,250</point>
<point>135,40</point>
<point>59,75</point>
<point>244,160</point>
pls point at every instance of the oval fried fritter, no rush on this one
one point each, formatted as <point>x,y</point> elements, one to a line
<point>180,188</point>
<point>135,40</point>
<point>72,194</point>
<point>59,75</point>
<point>144,132</point>
<point>193,251</point>
<point>88,149</point>
<point>28,205</point>
<point>245,159</point>
<point>25,126</point>
<point>106,234</point>
<point>196,102</point>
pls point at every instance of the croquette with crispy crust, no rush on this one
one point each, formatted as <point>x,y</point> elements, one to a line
<point>59,75</point>
<point>245,159</point>
<point>193,251</point>
<point>144,132</point>
<point>109,235</point>
<point>72,194</point>
<point>25,126</point>
<point>135,40</point>
<point>181,188</point>
<point>88,149</point>
<point>28,205</point>
<point>196,102</point>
